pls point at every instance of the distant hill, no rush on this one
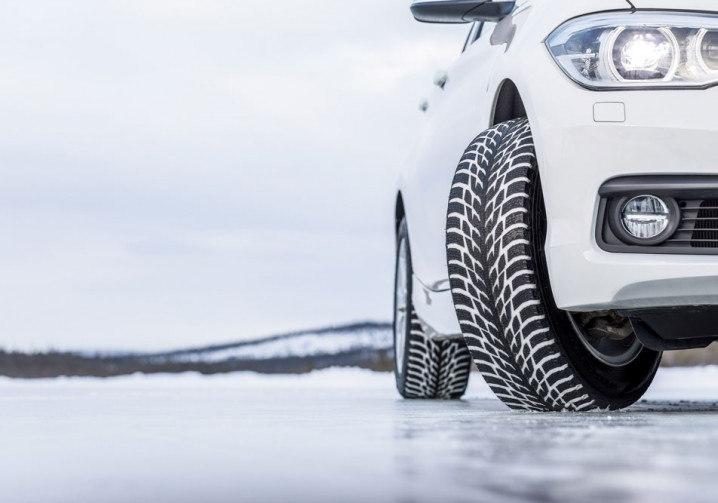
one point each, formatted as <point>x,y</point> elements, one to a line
<point>366,345</point>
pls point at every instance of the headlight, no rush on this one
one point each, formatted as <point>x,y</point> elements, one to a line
<point>624,51</point>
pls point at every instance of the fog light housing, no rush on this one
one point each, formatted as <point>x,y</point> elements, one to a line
<point>646,220</point>
<point>645,217</point>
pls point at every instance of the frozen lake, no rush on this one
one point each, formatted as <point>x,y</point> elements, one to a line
<point>345,436</point>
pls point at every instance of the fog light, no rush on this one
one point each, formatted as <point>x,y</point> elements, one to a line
<point>645,217</point>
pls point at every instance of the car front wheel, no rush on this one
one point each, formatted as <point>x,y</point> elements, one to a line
<point>533,355</point>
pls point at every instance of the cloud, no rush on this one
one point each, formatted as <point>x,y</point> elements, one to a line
<point>180,172</point>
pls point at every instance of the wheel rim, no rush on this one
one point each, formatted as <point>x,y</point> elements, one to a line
<point>401,306</point>
<point>614,352</point>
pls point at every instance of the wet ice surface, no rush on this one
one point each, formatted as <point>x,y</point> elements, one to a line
<point>343,435</point>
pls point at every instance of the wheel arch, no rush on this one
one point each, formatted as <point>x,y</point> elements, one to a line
<point>508,103</point>
<point>511,103</point>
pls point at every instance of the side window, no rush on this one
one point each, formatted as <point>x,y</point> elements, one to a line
<point>474,33</point>
<point>479,30</point>
<point>487,29</point>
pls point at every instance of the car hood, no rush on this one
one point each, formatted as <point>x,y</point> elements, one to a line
<point>699,5</point>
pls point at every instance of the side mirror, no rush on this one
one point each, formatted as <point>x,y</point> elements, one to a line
<point>461,11</point>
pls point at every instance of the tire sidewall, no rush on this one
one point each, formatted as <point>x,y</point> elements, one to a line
<point>403,236</point>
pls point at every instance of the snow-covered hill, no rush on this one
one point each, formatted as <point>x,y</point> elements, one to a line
<point>365,345</point>
<point>327,341</point>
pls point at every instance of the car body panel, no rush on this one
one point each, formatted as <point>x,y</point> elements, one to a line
<point>665,131</point>
<point>694,5</point>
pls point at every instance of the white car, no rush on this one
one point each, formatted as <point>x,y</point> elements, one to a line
<point>576,237</point>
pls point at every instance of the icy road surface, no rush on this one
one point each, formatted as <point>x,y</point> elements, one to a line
<point>344,436</point>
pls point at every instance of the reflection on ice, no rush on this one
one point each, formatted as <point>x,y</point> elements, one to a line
<point>478,450</point>
<point>344,435</point>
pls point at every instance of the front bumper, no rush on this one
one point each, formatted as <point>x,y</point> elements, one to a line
<point>665,132</point>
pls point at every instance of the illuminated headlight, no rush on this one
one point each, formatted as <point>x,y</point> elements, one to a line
<point>644,49</point>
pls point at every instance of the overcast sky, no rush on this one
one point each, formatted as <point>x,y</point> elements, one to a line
<point>181,172</point>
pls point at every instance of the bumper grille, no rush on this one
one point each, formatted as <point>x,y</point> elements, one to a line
<point>699,224</point>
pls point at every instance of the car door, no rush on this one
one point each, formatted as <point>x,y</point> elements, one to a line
<point>456,113</point>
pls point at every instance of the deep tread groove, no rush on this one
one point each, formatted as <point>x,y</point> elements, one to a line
<point>435,369</point>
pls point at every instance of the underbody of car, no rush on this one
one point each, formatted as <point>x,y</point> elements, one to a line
<point>611,106</point>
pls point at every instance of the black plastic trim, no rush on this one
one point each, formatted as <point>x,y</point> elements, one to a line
<point>652,340</point>
<point>673,328</point>
<point>665,186</point>
<point>680,186</point>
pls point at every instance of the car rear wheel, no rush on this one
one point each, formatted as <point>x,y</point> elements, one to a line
<point>424,367</point>
<point>533,355</point>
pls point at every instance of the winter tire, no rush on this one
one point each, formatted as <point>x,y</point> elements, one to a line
<point>533,355</point>
<point>424,368</point>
